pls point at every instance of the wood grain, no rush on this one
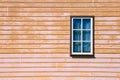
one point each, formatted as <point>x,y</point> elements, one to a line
<point>35,40</point>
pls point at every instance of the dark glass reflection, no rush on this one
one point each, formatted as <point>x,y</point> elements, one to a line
<point>76,47</point>
<point>86,46</point>
<point>86,35</point>
<point>86,24</point>
<point>76,23</point>
<point>76,35</point>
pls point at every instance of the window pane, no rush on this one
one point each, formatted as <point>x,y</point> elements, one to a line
<point>76,47</point>
<point>86,46</point>
<point>76,35</point>
<point>86,35</point>
<point>86,23</point>
<point>76,23</point>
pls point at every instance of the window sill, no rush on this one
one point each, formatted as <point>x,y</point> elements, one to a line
<point>82,56</point>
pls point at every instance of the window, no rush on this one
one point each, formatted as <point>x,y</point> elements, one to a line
<point>82,36</point>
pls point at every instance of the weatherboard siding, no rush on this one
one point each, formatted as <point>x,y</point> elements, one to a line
<point>35,40</point>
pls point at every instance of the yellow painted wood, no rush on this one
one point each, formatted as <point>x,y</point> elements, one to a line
<point>53,19</point>
<point>35,19</point>
<point>52,56</point>
<point>47,5</point>
<point>55,74</point>
<point>34,23</point>
<point>107,27</point>
<point>59,60</point>
<point>61,4</point>
<point>51,46</point>
<point>34,32</point>
<point>53,42</point>
<point>54,51</point>
<point>34,51</point>
<point>36,28</point>
<point>89,13</point>
<point>59,78</point>
<point>60,1</point>
<point>35,40</point>
<point>59,37</point>
<point>34,37</point>
<point>55,28</point>
<point>46,1</point>
<point>41,46</point>
<point>62,32</point>
<point>60,9</point>
<point>58,69</point>
<point>60,65</point>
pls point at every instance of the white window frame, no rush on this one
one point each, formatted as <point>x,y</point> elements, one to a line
<point>91,30</point>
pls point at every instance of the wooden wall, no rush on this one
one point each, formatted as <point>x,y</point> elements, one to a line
<point>35,40</point>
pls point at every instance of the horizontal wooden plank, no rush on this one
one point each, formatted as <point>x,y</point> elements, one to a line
<point>65,14</point>
<point>106,1</point>
<point>112,42</point>
<point>61,74</point>
<point>62,60</point>
<point>107,27</point>
<point>46,1</point>
<point>104,4</point>
<point>59,9</point>
<point>56,19</point>
<point>55,28</point>
<point>60,1</point>
<point>48,28</point>
<point>43,74</point>
<point>34,18</point>
<point>60,5</point>
<point>54,51</point>
<point>54,22</point>
<point>58,55</point>
<point>107,37</point>
<point>34,42</point>
<point>107,46</point>
<point>103,51</point>
<point>52,32</point>
<point>34,23</point>
<point>29,42</point>
<point>105,13</point>
<point>67,23</point>
<point>34,50</point>
<point>41,46</point>
<point>107,18</point>
<point>60,65</point>
<point>51,46</point>
<point>59,78</point>
<point>108,23</point>
<point>33,37</point>
<point>50,9</point>
<point>58,69</point>
<point>48,5</point>
<point>34,32</point>
<point>107,32</point>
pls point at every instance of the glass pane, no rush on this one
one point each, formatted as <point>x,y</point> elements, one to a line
<point>76,47</point>
<point>76,23</point>
<point>86,35</point>
<point>86,23</point>
<point>86,46</point>
<point>76,35</point>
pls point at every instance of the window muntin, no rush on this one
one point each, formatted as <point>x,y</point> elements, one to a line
<point>82,36</point>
